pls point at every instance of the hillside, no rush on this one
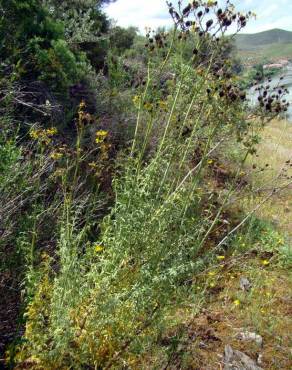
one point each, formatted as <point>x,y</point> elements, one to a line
<point>263,39</point>
<point>265,46</point>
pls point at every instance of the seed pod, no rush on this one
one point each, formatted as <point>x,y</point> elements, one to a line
<point>209,23</point>
<point>187,9</point>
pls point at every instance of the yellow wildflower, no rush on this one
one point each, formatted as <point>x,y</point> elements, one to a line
<point>56,155</point>
<point>211,273</point>
<point>136,100</point>
<point>82,105</point>
<point>43,135</point>
<point>265,262</point>
<point>220,258</point>
<point>148,106</point>
<point>100,136</point>
<point>210,161</point>
<point>51,131</point>
<point>34,134</point>
<point>98,248</point>
<point>236,302</point>
<point>92,165</point>
<point>162,105</point>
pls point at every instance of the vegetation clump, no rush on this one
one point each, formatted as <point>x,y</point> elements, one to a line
<point>118,211</point>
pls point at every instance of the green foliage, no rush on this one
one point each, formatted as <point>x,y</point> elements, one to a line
<point>37,46</point>
<point>122,39</point>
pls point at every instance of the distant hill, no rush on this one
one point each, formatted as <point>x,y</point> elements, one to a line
<point>261,39</point>
<point>268,45</point>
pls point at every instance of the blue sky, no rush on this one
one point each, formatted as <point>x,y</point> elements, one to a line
<point>153,13</point>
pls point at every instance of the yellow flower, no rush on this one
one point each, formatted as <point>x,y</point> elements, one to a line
<point>43,135</point>
<point>100,136</point>
<point>212,285</point>
<point>162,105</point>
<point>148,106</point>
<point>136,100</point>
<point>236,302</point>
<point>220,258</point>
<point>55,156</point>
<point>210,161</point>
<point>265,262</point>
<point>82,105</point>
<point>34,134</point>
<point>51,131</point>
<point>92,165</point>
<point>211,273</point>
<point>98,248</point>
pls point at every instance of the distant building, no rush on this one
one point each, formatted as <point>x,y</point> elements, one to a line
<point>281,64</point>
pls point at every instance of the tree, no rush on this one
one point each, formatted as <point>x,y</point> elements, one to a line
<point>33,46</point>
<point>122,39</point>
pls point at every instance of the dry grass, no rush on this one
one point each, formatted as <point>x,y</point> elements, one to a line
<point>196,340</point>
<point>275,149</point>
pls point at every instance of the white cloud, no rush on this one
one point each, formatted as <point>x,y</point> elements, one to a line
<point>154,13</point>
<point>140,13</point>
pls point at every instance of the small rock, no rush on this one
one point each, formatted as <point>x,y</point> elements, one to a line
<point>248,336</point>
<point>203,345</point>
<point>245,284</point>
<point>236,360</point>
<point>260,359</point>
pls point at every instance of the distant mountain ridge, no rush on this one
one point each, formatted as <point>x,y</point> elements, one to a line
<point>262,39</point>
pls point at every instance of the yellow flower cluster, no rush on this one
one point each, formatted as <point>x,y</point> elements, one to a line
<point>56,155</point>
<point>43,135</point>
<point>162,105</point>
<point>136,100</point>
